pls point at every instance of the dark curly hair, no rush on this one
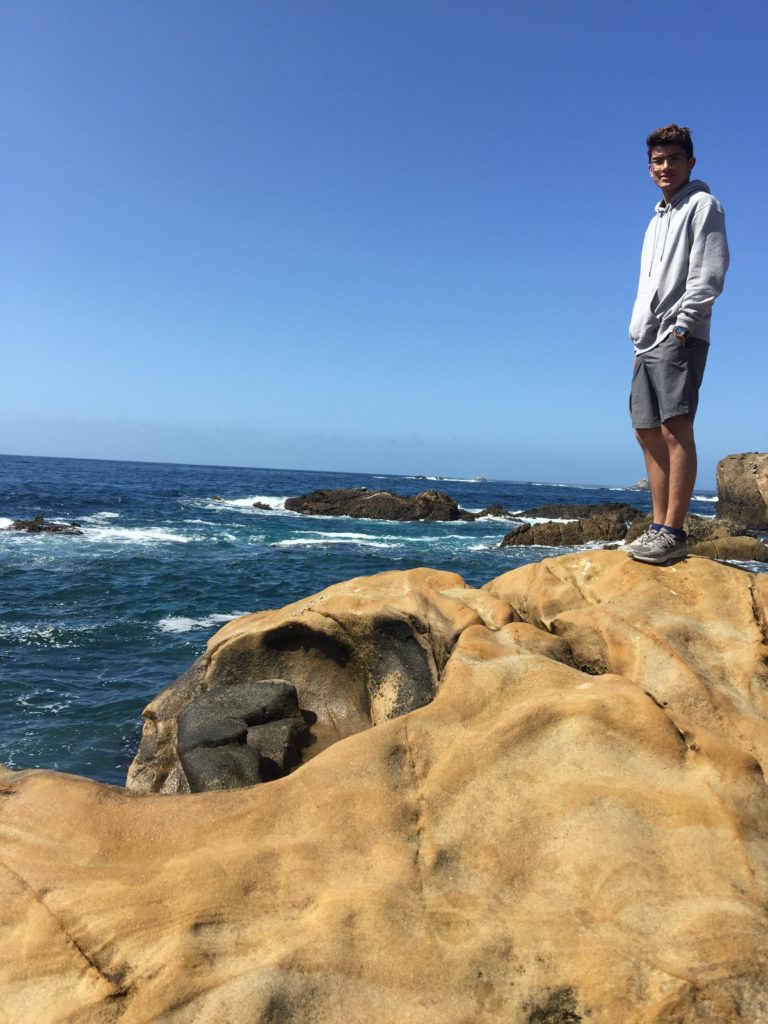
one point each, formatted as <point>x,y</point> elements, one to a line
<point>667,135</point>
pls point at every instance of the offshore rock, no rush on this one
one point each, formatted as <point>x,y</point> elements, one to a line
<point>607,522</point>
<point>562,510</point>
<point>742,489</point>
<point>574,828</point>
<point>39,525</point>
<point>360,503</point>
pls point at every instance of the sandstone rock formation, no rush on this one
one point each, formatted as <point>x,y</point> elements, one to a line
<point>574,829</point>
<point>742,489</point>
<point>357,655</point>
<point>39,525</point>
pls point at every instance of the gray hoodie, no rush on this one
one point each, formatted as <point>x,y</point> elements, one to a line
<point>682,268</point>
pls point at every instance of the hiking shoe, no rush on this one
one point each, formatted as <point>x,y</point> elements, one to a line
<point>640,543</point>
<point>662,548</point>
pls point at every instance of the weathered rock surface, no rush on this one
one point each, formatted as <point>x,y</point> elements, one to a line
<point>360,503</point>
<point>357,655</point>
<point>733,549</point>
<point>742,489</point>
<point>39,525</point>
<point>574,829</point>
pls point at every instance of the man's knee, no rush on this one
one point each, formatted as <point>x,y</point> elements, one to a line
<point>647,436</point>
<point>678,430</point>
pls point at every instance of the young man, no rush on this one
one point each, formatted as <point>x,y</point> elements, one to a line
<point>682,271</point>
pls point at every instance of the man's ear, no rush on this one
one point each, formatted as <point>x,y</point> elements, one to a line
<point>691,162</point>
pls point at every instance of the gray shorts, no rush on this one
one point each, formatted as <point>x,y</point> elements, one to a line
<point>666,381</point>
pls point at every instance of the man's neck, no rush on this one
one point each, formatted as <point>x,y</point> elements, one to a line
<point>670,195</point>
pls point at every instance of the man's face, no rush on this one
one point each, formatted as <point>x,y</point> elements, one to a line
<point>670,167</point>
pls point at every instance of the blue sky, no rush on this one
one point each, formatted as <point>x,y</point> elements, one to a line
<point>357,235</point>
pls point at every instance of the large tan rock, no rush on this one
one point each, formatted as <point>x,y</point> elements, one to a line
<point>574,829</point>
<point>358,653</point>
<point>742,489</point>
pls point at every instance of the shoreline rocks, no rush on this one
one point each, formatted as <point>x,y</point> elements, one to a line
<point>614,522</point>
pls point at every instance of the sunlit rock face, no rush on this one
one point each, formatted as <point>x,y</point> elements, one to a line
<point>567,820</point>
<point>358,654</point>
<point>742,489</point>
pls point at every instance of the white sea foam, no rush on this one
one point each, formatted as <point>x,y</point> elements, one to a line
<point>445,479</point>
<point>5,523</point>
<point>351,536</point>
<point>29,701</point>
<point>534,520</point>
<point>98,518</point>
<point>39,635</point>
<point>185,624</point>
<point>702,497</point>
<point>134,535</point>
<point>246,504</point>
<point>308,542</point>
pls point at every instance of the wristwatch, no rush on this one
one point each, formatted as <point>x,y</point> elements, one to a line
<point>680,333</point>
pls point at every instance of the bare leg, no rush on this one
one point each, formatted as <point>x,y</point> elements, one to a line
<point>677,435</point>
<point>656,455</point>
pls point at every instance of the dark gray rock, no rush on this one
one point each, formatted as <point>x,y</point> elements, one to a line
<point>561,510</point>
<point>604,522</point>
<point>214,768</point>
<point>280,745</point>
<point>225,713</point>
<point>241,734</point>
<point>39,525</point>
<point>360,503</point>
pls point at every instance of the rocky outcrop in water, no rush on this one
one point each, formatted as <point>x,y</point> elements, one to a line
<point>360,503</point>
<point>39,525</point>
<point>607,522</point>
<point>742,489</point>
<point>566,820</point>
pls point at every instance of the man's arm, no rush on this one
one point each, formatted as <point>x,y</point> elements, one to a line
<point>707,264</point>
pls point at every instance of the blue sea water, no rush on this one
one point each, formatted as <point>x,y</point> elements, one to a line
<point>93,626</point>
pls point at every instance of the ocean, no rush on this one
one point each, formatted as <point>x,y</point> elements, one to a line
<point>92,627</point>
